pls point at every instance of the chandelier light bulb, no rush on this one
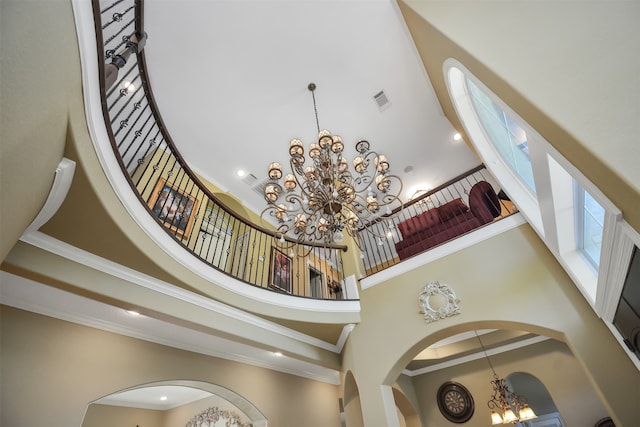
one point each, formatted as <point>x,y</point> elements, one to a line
<point>290,182</point>
<point>296,148</point>
<point>314,151</point>
<point>275,171</point>
<point>300,221</point>
<point>495,418</point>
<point>381,163</point>
<point>337,145</point>
<point>527,413</point>
<point>508,416</point>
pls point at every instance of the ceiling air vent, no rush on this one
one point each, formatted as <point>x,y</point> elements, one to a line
<point>381,100</point>
<point>249,179</point>
<point>260,187</point>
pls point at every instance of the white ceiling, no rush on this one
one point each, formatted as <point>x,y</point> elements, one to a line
<point>230,79</point>
<point>160,398</point>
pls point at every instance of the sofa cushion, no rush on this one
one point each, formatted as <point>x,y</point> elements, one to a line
<point>418,223</point>
<point>451,209</point>
<point>429,218</point>
<point>426,239</point>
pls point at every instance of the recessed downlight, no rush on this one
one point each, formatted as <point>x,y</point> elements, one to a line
<point>418,190</point>
<point>240,173</point>
<point>277,354</point>
<point>130,87</point>
<point>457,136</point>
<point>163,397</point>
<point>132,313</point>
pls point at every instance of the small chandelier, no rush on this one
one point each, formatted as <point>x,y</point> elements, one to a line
<point>507,406</point>
<point>322,197</point>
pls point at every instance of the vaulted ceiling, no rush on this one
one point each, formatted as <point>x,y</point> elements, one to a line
<point>230,79</point>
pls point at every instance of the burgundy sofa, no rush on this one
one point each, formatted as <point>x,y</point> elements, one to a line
<point>443,223</point>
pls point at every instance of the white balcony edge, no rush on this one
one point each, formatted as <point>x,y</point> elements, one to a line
<point>444,250</point>
<point>83,15</point>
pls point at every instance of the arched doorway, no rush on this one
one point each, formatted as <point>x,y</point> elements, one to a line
<point>534,362</point>
<point>173,403</point>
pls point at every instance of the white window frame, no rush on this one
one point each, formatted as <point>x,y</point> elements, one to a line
<point>552,210</point>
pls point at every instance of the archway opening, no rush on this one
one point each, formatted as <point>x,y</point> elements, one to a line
<point>451,358</point>
<point>170,403</point>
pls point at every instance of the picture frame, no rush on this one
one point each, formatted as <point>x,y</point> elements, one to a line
<point>173,207</point>
<point>280,271</point>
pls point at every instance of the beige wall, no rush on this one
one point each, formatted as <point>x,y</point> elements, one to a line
<point>570,69</point>
<point>51,370</point>
<point>550,361</point>
<point>510,281</point>
<point>34,75</point>
<point>109,416</point>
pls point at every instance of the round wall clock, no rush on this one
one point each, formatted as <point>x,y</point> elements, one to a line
<point>455,402</point>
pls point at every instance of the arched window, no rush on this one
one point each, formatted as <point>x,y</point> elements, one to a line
<point>567,211</point>
<point>507,137</point>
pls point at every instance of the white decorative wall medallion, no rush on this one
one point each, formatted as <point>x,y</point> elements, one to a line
<point>215,417</point>
<point>438,301</point>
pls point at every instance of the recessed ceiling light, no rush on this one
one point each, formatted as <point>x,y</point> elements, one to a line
<point>418,190</point>
<point>277,353</point>
<point>130,87</point>
<point>163,397</point>
<point>132,313</point>
<point>457,136</point>
<point>240,173</point>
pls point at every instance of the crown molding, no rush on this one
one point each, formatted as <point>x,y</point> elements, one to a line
<point>38,298</point>
<point>80,256</point>
<point>474,356</point>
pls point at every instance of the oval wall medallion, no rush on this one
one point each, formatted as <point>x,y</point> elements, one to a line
<point>438,301</point>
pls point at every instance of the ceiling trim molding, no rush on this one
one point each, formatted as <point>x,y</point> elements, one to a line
<point>59,189</point>
<point>28,295</point>
<point>474,356</point>
<point>62,249</point>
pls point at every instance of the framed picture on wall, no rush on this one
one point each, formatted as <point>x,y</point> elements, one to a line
<point>280,271</point>
<point>173,207</point>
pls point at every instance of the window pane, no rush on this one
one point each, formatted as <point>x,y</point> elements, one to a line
<point>592,222</point>
<point>506,136</point>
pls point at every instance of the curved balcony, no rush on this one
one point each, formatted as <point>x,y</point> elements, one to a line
<point>186,208</point>
<point>208,224</point>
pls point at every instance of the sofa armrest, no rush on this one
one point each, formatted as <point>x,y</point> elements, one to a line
<point>484,202</point>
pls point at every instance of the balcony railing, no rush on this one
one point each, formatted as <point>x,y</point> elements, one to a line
<point>457,207</point>
<point>173,195</point>
<point>215,233</point>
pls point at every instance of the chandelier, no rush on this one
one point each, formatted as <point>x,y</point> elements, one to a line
<point>322,197</point>
<point>507,406</point>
